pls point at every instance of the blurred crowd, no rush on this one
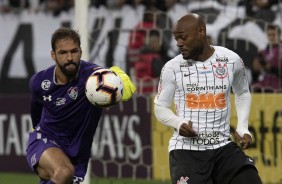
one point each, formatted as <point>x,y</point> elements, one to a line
<point>148,47</point>
<point>54,6</point>
<point>260,9</point>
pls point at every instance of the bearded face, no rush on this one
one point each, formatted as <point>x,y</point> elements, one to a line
<point>67,57</point>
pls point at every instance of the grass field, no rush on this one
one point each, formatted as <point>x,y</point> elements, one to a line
<point>16,178</point>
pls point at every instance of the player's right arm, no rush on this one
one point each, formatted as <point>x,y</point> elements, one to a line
<point>242,104</point>
<point>35,104</point>
<point>164,100</point>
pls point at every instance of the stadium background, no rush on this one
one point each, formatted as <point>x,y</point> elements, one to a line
<point>129,142</point>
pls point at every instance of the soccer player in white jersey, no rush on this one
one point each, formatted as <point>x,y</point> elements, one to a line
<point>199,82</point>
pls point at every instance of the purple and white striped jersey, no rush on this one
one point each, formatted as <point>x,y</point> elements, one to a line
<point>200,92</point>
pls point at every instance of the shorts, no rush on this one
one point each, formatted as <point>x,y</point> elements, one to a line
<point>209,166</point>
<point>38,143</point>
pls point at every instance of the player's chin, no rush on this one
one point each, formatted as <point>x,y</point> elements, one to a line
<point>185,55</point>
<point>71,73</point>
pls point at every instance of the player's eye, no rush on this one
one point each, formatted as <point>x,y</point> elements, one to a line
<point>183,37</point>
<point>176,37</point>
<point>74,51</point>
<point>62,52</point>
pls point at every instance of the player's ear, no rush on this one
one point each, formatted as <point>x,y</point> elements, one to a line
<point>53,55</point>
<point>202,31</point>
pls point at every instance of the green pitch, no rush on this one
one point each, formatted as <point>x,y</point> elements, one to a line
<point>15,178</point>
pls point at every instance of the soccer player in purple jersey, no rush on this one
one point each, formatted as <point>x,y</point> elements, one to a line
<point>64,121</point>
<point>198,82</point>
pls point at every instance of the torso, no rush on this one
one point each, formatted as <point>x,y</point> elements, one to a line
<point>201,93</point>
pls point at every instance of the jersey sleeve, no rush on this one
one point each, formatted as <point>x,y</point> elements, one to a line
<point>166,87</point>
<point>240,82</point>
<point>164,99</point>
<point>242,97</point>
<point>35,104</point>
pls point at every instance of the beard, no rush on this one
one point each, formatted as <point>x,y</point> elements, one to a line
<point>69,73</point>
<point>194,52</point>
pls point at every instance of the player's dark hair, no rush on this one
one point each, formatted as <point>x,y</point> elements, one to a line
<point>62,33</point>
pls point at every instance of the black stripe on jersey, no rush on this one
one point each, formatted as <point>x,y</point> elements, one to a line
<point>198,93</point>
<point>214,83</point>
<point>229,89</point>
<point>182,79</point>
<point>207,110</point>
<point>214,79</point>
<point>183,88</point>
<point>179,141</point>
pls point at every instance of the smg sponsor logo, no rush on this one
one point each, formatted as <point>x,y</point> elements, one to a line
<point>206,138</point>
<point>206,101</point>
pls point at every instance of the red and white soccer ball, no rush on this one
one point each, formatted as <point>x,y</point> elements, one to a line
<point>104,88</point>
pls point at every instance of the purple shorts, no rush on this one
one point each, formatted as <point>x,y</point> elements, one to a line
<point>38,143</point>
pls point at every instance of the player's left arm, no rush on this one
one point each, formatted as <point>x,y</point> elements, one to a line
<point>128,87</point>
<point>242,93</point>
<point>35,104</point>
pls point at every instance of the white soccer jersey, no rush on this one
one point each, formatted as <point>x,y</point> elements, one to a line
<point>200,92</point>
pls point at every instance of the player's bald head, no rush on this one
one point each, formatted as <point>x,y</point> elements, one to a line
<point>191,21</point>
<point>190,35</point>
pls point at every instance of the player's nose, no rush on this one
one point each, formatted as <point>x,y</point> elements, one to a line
<point>69,56</point>
<point>179,43</point>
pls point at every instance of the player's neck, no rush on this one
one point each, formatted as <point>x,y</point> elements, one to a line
<point>207,53</point>
<point>61,78</point>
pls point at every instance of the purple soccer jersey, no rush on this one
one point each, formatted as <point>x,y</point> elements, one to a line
<point>62,117</point>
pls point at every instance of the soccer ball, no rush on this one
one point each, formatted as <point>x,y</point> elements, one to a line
<point>104,88</point>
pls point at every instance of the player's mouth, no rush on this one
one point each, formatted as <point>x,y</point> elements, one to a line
<point>184,52</point>
<point>70,65</point>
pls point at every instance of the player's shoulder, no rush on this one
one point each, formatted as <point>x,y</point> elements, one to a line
<point>223,52</point>
<point>46,74</point>
<point>176,62</point>
<point>42,79</point>
<point>87,67</point>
